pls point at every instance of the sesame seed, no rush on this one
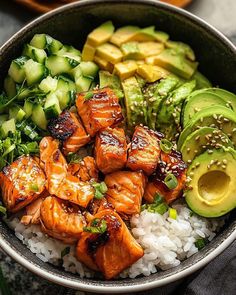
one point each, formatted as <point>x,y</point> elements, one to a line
<point>201,119</point>
<point>223,166</point>
<point>197,137</point>
<point>208,166</point>
<point>215,116</point>
<point>225,161</point>
<point>188,150</point>
<point>226,120</point>
<point>191,173</point>
<point>218,163</point>
<point>196,151</point>
<point>189,161</point>
<point>212,162</point>
<point>209,151</point>
<point>197,164</point>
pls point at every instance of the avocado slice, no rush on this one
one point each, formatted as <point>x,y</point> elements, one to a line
<point>175,62</point>
<point>151,73</point>
<point>214,116</point>
<point>154,93</point>
<point>109,53</point>
<point>211,190</point>
<point>131,50</point>
<point>198,101</point>
<point>125,69</point>
<point>108,80</point>
<point>101,34</point>
<point>136,111</point>
<point>202,81</point>
<point>181,48</point>
<point>123,35</point>
<point>229,97</point>
<point>88,52</point>
<point>168,116</point>
<point>201,140</point>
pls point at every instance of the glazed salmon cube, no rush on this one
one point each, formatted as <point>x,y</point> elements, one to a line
<point>100,110</point>
<point>125,190</point>
<point>69,129</point>
<point>111,251</point>
<point>171,163</point>
<point>61,220</point>
<point>145,150</point>
<point>110,150</point>
<point>21,183</point>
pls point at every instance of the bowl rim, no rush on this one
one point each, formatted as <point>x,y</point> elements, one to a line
<point>114,289</point>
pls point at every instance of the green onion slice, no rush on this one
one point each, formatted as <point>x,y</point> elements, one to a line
<point>100,189</point>
<point>88,95</point>
<point>166,145</point>
<point>65,252</point>
<point>97,226</point>
<point>171,181</point>
<point>172,213</point>
<point>200,243</point>
<point>3,210</point>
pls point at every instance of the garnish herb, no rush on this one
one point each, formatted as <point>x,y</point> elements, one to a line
<point>100,189</point>
<point>34,187</point>
<point>88,95</point>
<point>97,226</point>
<point>173,213</point>
<point>65,252</point>
<point>158,206</point>
<point>4,288</point>
<point>74,158</point>
<point>165,145</point>
<point>171,181</point>
<point>3,210</point>
<point>200,243</point>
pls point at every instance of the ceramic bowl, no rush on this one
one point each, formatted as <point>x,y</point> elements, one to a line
<point>71,24</point>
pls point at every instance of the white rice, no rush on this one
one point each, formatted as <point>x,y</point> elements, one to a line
<point>166,242</point>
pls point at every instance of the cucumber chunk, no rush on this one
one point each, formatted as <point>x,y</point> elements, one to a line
<point>34,72</point>
<point>7,126</point>
<point>28,130</point>
<point>17,113</point>
<point>89,69</point>
<point>52,106</point>
<point>10,86</point>
<point>39,41</point>
<point>38,117</point>
<point>48,84</point>
<point>83,84</point>
<point>34,53</point>
<point>28,108</point>
<point>53,45</point>
<point>60,64</point>
<point>3,118</point>
<point>17,70</point>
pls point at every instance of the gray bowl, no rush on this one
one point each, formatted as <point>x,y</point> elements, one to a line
<point>71,24</point>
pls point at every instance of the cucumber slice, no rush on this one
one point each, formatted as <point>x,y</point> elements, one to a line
<point>89,69</point>
<point>65,98</point>
<point>76,72</point>
<point>70,84</point>
<point>17,70</point>
<point>60,64</point>
<point>52,107</point>
<point>34,53</point>
<point>83,84</point>
<point>34,72</point>
<point>28,130</point>
<point>28,108</point>
<point>17,113</point>
<point>3,118</point>
<point>53,45</point>
<point>10,86</point>
<point>48,84</point>
<point>39,41</point>
<point>71,52</point>
<point>7,126</point>
<point>38,117</point>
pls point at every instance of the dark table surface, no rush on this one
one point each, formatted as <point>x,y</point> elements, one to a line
<point>221,14</point>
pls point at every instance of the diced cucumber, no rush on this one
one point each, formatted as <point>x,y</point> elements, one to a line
<point>7,126</point>
<point>48,84</point>
<point>71,52</point>
<point>53,45</point>
<point>76,72</point>
<point>28,130</point>
<point>65,98</point>
<point>60,64</point>
<point>62,80</point>
<point>83,84</point>
<point>3,118</point>
<point>39,41</point>
<point>17,70</point>
<point>52,107</point>
<point>10,86</point>
<point>17,113</point>
<point>24,93</point>
<point>28,108</point>
<point>38,117</point>
<point>89,69</point>
<point>34,72</point>
<point>36,54</point>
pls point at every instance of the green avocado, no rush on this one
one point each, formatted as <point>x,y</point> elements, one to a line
<point>168,116</point>
<point>211,190</point>
<point>201,140</point>
<point>229,97</point>
<point>202,81</point>
<point>183,48</point>
<point>154,93</point>
<point>176,62</point>
<point>198,101</point>
<point>136,107</point>
<point>214,116</point>
<point>112,81</point>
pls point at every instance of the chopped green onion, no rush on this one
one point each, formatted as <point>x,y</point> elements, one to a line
<point>171,181</point>
<point>158,199</point>
<point>172,213</point>
<point>9,150</point>
<point>97,226</point>
<point>74,158</point>
<point>160,209</point>
<point>200,243</point>
<point>65,252</point>
<point>34,187</point>
<point>3,210</point>
<point>166,145</point>
<point>88,95</point>
<point>4,288</point>
<point>100,189</point>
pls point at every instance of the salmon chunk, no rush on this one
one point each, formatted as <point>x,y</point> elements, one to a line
<point>112,250</point>
<point>32,215</point>
<point>21,183</point>
<point>110,150</point>
<point>69,129</point>
<point>125,190</point>
<point>99,111</point>
<point>61,220</point>
<point>171,163</point>
<point>145,150</point>
<point>85,170</point>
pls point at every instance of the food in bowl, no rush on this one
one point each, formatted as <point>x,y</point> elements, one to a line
<point>116,160</point>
